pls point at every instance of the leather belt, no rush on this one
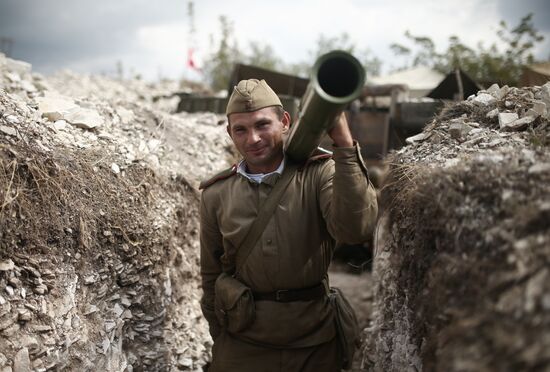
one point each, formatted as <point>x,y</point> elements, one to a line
<point>290,295</point>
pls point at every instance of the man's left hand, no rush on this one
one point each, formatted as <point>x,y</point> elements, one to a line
<point>340,133</point>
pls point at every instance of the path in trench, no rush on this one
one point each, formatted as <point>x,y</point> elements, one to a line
<point>359,290</point>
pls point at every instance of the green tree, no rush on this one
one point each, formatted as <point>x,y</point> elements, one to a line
<point>263,55</point>
<point>225,53</point>
<point>325,44</point>
<point>371,63</point>
<point>484,64</point>
<point>220,62</point>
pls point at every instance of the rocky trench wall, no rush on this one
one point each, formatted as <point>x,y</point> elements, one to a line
<point>99,226</point>
<point>463,248</point>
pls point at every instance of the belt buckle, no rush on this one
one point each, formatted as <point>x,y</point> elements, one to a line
<point>280,294</point>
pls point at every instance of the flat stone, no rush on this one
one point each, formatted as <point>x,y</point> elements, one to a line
<point>118,310</point>
<point>115,168</point>
<point>125,301</point>
<point>84,118</point>
<point>493,89</point>
<point>53,106</point>
<point>38,328</point>
<point>91,309</point>
<point>30,307</point>
<point>37,364</point>
<point>8,130</point>
<point>40,289</point>
<point>21,362</point>
<point>109,325</point>
<point>9,290</point>
<point>28,86</point>
<point>105,345</point>
<point>75,321</point>
<point>12,330</point>
<point>14,282</point>
<point>538,109</point>
<point>484,99</point>
<point>502,92</point>
<point>539,168</point>
<point>506,118</point>
<point>185,362</point>
<point>458,130</point>
<point>3,360</point>
<point>60,125</point>
<point>24,315</point>
<point>492,114</point>
<point>417,138</point>
<point>126,116</point>
<point>6,265</point>
<point>545,94</point>
<point>519,124</point>
<point>14,78</point>
<point>90,279</point>
<point>154,144</point>
<point>32,271</point>
<point>127,314</point>
<point>12,119</point>
<point>7,321</point>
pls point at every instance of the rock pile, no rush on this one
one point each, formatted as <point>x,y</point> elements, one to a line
<point>462,256</point>
<point>99,227</point>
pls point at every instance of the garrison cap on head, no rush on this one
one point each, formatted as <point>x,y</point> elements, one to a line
<point>251,95</point>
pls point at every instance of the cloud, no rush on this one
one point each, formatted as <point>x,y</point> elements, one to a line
<point>153,36</point>
<point>68,32</point>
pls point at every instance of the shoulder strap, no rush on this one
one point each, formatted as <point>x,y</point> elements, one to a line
<point>218,177</point>
<point>259,224</point>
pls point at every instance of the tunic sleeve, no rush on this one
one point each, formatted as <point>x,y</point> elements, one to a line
<point>347,197</point>
<point>211,251</point>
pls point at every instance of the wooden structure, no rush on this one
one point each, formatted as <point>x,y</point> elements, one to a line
<point>456,86</point>
<point>536,74</point>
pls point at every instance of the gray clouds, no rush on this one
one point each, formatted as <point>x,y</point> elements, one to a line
<point>512,10</point>
<point>91,36</point>
<point>54,33</point>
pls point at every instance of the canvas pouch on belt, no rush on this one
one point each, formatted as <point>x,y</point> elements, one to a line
<point>234,303</point>
<point>347,326</point>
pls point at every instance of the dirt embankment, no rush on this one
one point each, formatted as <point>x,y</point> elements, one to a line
<point>462,257</point>
<point>98,225</point>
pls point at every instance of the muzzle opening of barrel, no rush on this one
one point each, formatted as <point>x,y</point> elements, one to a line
<point>338,77</point>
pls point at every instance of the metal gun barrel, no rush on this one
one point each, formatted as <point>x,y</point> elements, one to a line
<point>337,78</point>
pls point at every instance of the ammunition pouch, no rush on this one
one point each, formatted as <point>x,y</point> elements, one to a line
<point>234,303</point>
<point>347,327</point>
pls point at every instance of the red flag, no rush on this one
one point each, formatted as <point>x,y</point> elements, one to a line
<point>190,60</point>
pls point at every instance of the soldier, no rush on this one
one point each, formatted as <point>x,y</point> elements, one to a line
<point>289,325</point>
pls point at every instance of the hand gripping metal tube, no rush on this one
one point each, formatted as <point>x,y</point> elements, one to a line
<point>337,78</point>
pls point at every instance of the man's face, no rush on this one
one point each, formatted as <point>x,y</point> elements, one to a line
<point>258,136</point>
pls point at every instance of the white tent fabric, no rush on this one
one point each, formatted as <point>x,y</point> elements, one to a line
<point>420,80</point>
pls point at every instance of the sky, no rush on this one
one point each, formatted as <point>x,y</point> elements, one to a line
<point>152,38</point>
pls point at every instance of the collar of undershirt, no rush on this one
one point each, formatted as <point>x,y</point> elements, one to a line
<point>260,177</point>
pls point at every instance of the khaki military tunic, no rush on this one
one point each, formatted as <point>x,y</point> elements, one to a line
<point>327,200</point>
